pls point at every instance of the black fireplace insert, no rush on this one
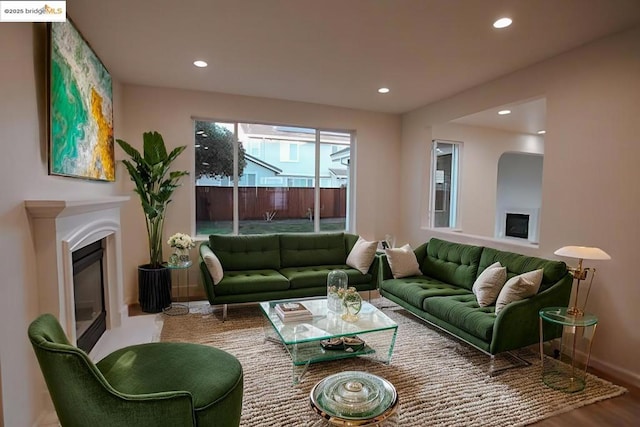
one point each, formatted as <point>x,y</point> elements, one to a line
<point>88,290</point>
<point>517,225</point>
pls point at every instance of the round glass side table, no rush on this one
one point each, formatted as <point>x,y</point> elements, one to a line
<point>354,398</point>
<point>180,272</point>
<point>565,347</point>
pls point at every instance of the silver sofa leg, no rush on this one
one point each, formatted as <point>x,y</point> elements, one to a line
<point>224,312</point>
<point>514,361</point>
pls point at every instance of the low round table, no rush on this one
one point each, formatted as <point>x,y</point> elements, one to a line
<point>355,398</point>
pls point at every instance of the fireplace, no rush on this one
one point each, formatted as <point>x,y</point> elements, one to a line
<point>514,223</point>
<point>88,294</point>
<point>66,229</point>
<point>517,225</point>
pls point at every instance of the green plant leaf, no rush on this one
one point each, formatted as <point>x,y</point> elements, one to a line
<point>154,184</point>
<point>155,151</point>
<point>175,153</point>
<point>132,152</point>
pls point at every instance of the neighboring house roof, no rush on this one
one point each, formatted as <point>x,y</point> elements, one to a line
<point>339,173</point>
<point>345,153</point>
<point>343,156</point>
<point>262,163</point>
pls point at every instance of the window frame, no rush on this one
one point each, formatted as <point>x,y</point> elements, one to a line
<point>314,180</point>
<point>454,193</point>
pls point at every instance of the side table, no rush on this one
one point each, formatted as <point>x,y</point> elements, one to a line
<point>565,359</point>
<point>179,271</point>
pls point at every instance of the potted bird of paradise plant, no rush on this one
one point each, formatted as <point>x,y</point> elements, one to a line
<point>154,184</point>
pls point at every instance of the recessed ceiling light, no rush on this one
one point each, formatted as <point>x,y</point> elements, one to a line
<point>200,64</point>
<point>383,90</point>
<point>504,112</point>
<point>542,132</point>
<point>502,23</point>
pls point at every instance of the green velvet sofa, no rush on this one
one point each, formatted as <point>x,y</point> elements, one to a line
<point>443,297</point>
<point>279,266</point>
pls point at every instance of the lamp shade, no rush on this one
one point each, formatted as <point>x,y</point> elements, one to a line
<point>582,252</point>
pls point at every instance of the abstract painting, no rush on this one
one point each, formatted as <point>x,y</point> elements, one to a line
<point>80,108</point>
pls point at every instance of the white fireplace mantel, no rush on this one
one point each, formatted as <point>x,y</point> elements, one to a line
<point>60,208</point>
<point>60,227</point>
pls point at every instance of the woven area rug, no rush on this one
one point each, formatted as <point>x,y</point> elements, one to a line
<point>440,382</point>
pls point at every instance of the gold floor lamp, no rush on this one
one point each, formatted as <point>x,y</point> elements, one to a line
<point>579,273</point>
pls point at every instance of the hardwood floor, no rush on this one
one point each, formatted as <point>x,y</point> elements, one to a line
<point>620,411</point>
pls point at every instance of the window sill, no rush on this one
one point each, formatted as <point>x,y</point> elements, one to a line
<point>477,239</point>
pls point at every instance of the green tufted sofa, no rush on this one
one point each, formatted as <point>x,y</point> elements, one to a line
<point>443,295</point>
<point>280,266</point>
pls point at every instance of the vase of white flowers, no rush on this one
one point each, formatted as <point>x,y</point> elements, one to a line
<point>180,243</point>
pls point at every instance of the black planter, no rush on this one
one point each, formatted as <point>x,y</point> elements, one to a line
<point>154,288</point>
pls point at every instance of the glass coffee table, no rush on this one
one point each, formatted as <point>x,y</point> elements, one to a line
<point>304,340</point>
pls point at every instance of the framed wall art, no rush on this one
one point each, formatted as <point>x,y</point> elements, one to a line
<point>80,107</point>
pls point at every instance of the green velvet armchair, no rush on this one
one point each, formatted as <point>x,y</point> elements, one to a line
<point>155,384</point>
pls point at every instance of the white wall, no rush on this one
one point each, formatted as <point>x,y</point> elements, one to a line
<point>23,169</point>
<point>23,175</point>
<point>590,177</point>
<point>481,151</point>
<point>519,190</point>
<point>591,151</point>
<point>170,112</point>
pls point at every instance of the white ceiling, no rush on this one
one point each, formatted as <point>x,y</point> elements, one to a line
<point>338,52</point>
<point>526,117</point>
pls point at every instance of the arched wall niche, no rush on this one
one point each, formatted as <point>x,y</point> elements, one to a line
<point>519,196</point>
<point>486,136</point>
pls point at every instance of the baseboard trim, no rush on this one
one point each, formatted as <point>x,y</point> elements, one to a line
<point>615,373</point>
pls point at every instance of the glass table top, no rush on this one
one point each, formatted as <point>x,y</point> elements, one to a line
<point>185,264</point>
<point>325,324</point>
<point>560,316</point>
<point>354,396</point>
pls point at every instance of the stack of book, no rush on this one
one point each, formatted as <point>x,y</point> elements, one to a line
<point>293,311</point>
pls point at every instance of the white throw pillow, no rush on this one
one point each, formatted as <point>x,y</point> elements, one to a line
<point>362,255</point>
<point>489,283</point>
<point>518,288</point>
<point>403,262</point>
<point>213,264</point>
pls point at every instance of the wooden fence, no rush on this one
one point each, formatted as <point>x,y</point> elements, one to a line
<point>216,203</point>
